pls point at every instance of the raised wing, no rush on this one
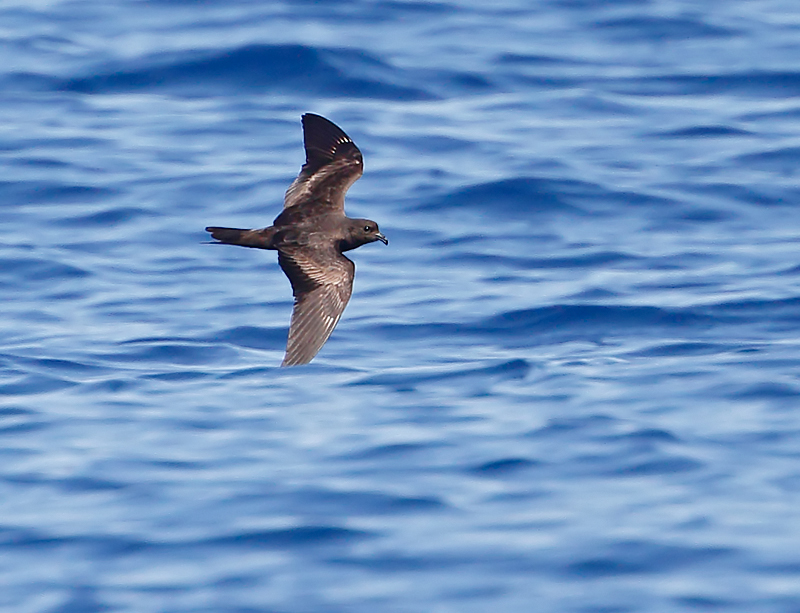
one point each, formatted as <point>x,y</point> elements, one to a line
<point>322,282</point>
<point>333,164</point>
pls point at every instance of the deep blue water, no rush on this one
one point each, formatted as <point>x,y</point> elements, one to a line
<point>571,383</point>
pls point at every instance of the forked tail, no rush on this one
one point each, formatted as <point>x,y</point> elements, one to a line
<point>259,239</point>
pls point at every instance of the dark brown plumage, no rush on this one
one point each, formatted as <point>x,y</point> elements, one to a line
<point>311,235</point>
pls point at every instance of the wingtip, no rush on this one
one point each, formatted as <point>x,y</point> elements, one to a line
<point>313,116</point>
<point>294,360</point>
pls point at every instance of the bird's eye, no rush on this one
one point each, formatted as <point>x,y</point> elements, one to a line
<point>367,228</point>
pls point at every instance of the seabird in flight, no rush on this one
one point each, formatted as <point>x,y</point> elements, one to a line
<point>311,234</point>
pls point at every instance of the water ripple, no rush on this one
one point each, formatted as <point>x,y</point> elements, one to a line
<point>254,68</point>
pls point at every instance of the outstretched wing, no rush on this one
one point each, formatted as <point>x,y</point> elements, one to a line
<point>333,164</point>
<point>322,281</point>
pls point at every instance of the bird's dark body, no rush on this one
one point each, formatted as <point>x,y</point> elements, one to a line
<point>311,234</point>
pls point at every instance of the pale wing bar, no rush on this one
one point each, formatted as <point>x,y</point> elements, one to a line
<point>333,164</point>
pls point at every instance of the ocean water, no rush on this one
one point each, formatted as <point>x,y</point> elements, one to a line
<point>571,382</point>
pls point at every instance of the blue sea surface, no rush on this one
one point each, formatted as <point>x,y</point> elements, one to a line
<point>571,382</point>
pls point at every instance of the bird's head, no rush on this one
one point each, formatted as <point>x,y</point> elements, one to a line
<point>361,232</point>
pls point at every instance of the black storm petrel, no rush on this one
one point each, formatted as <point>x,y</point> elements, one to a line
<point>311,234</point>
